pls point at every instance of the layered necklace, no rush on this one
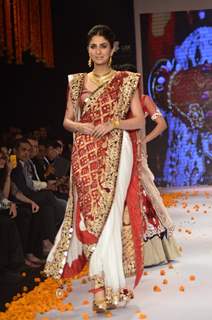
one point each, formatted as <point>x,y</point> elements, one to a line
<point>101,79</point>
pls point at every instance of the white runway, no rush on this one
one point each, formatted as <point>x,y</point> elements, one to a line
<point>193,219</point>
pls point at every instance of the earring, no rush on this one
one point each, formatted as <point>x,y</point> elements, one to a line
<point>110,61</point>
<point>89,62</point>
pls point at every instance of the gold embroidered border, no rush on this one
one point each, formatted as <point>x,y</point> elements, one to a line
<point>123,295</point>
<point>54,268</point>
<point>128,88</point>
<point>128,255</point>
<point>76,85</point>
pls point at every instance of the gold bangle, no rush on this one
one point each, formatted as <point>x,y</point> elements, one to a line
<point>115,123</point>
<point>79,128</point>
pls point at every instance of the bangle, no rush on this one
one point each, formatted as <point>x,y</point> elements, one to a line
<point>156,114</point>
<point>79,128</point>
<point>115,123</point>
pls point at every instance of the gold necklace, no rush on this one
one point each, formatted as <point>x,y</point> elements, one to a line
<point>101,79</point>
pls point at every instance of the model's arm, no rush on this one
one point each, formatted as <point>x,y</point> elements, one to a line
<point>69,122</point>
<point>136,121</point>
<point>156,116</point>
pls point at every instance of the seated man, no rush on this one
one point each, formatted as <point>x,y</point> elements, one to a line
<point>11,252</point>
<point>51,208</point>
<point>60,163</point>
<point>29,224</point>
<point>52,171</point>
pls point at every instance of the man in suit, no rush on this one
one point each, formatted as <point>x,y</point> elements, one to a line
<point>51,208</point>
<point>55,173</point>
<point>11,251</point>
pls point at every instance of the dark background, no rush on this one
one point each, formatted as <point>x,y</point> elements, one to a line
<point>33,95</point>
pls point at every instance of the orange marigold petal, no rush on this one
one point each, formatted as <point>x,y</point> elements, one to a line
<point>181,288</point>
<point>156,289</point>
<point>85,316</point>
<point>192,277</point>
<point>141,315</point>
<point>165,281</point>
<point>84,281</point>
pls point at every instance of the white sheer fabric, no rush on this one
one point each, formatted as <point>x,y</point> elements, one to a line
<point>107,258</point>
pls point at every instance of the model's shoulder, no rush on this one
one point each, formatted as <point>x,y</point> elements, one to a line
<point>76,76</point>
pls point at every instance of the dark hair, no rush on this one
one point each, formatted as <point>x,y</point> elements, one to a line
<point>51,143</point>
<point>30,136</point>
<point>101,30</point>
<point>18,142</point>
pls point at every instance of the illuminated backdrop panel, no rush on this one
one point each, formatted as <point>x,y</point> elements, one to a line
<point>177,67</point>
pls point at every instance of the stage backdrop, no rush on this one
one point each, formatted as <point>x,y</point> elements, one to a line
<point>177,70</point>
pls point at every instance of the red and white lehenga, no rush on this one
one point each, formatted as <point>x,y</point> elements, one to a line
<point>106,218</point>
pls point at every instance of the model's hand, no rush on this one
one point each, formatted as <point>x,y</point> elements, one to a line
<point>102,129</point>
<point>13,210</point>
<point>86,128</point>
<point>146,139</point>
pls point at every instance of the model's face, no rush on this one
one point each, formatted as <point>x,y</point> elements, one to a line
<point>99,50</point>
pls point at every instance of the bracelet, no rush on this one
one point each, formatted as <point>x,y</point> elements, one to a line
<point>78,128</point>
<point>115,123</point>
<point>156,114</point>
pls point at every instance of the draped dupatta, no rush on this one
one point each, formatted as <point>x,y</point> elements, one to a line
<point>95,164</point>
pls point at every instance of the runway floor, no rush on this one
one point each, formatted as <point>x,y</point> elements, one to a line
<point>184,288</point>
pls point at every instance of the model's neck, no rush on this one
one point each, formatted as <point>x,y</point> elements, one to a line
<point>101,70</point>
